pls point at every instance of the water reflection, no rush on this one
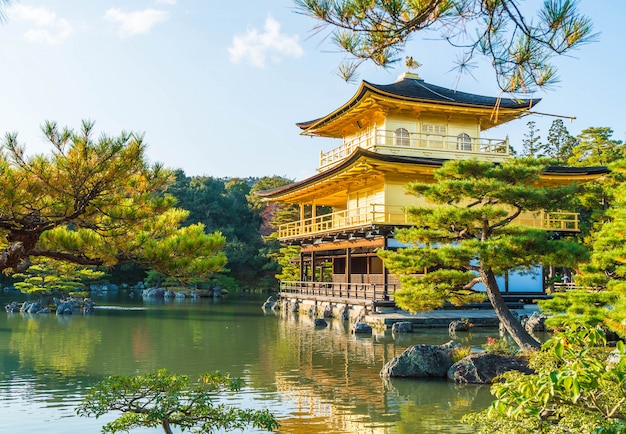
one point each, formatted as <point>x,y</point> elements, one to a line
<point>315,379</point>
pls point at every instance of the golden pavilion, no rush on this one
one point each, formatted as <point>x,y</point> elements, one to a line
<point>391,135</point>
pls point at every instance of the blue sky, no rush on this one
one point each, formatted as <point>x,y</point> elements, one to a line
<point>218,86</point>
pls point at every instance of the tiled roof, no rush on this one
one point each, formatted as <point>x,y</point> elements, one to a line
<point>417,90</point>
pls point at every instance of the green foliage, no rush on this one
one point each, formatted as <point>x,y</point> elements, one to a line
<point>230,207</point>
<point>580,307</point>
<point>577,387</point>
<point>532,146</point>
<point>166,399</point>
<point>95,202</point>
<point>459,353</point>
<point>289,270</point>
<point>560,143</point>
<point>596,148</point>
<point>500,346</point>
<point>518,44</point>
<point>605,273</point>
<point>53,277</point>
<point>467,234</point>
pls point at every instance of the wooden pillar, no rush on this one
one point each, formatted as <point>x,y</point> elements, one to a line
<point>385,274</point>
<point>313,269</point>
<point>301,266</point>
<point>348,265</point>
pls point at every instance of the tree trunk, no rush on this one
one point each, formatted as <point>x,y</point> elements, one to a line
<point>510,323</point>
<point>166,427</point>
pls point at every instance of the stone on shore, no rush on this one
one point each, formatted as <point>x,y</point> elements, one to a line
<point>482,368</point>
<point>421,361</point>
<point>270,303</point>
<point>402,327</point>
<point>535,323</point>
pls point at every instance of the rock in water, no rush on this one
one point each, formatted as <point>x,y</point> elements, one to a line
<point>421,361</point>
<point>482,368</point>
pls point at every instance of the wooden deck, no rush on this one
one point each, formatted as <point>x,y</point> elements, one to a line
<point>381,295</point>
<point>358,294</point>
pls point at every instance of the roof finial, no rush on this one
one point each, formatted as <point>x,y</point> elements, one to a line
<point>411,64</point>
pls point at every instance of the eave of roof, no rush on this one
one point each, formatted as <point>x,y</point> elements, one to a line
<point>550,171</point>
<point>352,159</point>
<point>418,91</point>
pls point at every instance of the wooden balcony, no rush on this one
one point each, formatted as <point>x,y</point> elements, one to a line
<point>381,215</point>
<point>353,293</point>
<point>419,145</point>
<point>344,220</point>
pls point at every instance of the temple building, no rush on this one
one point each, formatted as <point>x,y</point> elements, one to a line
<point>391,135</point>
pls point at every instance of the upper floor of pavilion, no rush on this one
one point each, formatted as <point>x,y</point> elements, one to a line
<point>417,119</point>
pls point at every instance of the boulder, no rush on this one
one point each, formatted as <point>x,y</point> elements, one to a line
<point>294,306</point>
<point>482,368</point>
<point>402,327</point>
<point>535,323</point>
<point>34,308</point>
<point>12,307</point>
<point>270,303</point>
<point>320,322</point>
<point>459,325</point>
<point>65,309</point>
<point>361,328</point>
<point>88,305</point>
<point>153,293</point>
<point>421,361</point>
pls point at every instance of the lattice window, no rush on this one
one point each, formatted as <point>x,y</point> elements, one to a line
<point>401,137</point>
<point>464,142</point>
<point>435,129</point>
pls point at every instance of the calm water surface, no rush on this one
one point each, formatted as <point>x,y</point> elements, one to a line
<point>314,380</point>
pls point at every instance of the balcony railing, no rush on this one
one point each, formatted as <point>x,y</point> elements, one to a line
<point>418,144</point>
<point>396,215</point>
<point>354,291</point>
<point>349,219</point>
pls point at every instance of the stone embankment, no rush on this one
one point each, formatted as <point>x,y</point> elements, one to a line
<point>71,305</point>
<point>67,306</point>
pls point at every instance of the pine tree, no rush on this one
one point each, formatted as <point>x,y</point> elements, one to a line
<point>560,142</point>
<point>518,44</point>
<point>469,235</point>
<point>532,146</point>
<point>95,202</point>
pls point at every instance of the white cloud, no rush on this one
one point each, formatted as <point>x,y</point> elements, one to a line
<point>48,28</point>
<point>136,22</point>
<point>255,47</point>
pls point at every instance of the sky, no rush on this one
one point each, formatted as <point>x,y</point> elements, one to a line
<point>217,87</point>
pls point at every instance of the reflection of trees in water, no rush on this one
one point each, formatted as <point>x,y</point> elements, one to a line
<point>46,344</point>
<point>433,406</point>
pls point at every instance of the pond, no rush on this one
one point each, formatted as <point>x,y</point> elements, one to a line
<point>314,380</point>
